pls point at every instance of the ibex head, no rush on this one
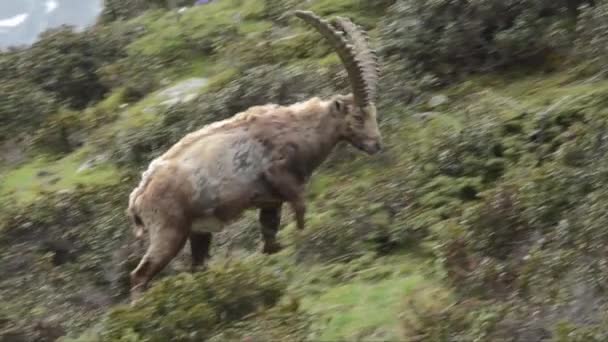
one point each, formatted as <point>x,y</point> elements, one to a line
<point>361,62</point>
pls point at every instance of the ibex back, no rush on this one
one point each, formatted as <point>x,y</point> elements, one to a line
<point>257,159</point>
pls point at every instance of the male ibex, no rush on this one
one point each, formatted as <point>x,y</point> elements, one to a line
<point>257,159</point>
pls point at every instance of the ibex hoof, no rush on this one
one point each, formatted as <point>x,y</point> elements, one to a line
<point>136,295</point>
<point>272,248</point>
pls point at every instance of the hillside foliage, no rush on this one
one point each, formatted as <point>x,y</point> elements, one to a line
<point>484,219</point>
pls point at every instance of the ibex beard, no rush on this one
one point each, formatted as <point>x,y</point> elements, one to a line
<point>257,159</point>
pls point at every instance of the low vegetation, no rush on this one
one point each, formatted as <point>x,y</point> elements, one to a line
<point>484,219</point>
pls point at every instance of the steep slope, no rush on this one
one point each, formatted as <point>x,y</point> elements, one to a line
<point>483,220</point>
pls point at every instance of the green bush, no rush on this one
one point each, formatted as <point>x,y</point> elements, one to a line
<point>449,38</point>
<point>65,62</point>
<point>58,134</point>
<point>496,225</point>
<point>591,34</point>
<point>65,241</point>
<point>125,9</point>
<point>191,307</point>
<point>23,106</point>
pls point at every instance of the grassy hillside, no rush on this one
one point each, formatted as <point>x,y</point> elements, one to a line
<point>482,221</point>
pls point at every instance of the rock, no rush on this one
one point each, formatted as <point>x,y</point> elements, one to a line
<point>184,91</point>
<point>91,163</point>
<point>149,110</point>
<point>65,192</point>
<point>426,116</point>
<point>12,151</point>
<point>43,173</point>
<point>438,100</point>
<point>170,102</point>
<point>189,97</point>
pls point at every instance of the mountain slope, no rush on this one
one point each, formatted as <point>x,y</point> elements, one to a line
<point>482,220</point>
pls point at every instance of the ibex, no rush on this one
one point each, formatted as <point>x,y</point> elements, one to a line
<point>257,159</point>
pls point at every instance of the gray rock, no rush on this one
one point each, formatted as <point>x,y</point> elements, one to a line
<point>438,100</point>
<point>91,163</point>
<point>184,91</point>
<point>426,116</point>
<point>12,151</point>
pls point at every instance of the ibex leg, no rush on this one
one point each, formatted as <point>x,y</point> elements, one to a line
<point>165,243</point>
<point>270,220</point>
<point>199,246</point>
<point>288,187</point>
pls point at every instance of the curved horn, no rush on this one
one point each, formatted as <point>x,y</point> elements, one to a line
<point>366,57</point>
<point>357,63</point>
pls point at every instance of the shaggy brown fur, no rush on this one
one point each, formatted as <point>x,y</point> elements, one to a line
<point>260,158</point>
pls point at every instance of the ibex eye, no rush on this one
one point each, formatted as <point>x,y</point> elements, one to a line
<point>359,119</point>
<point>338,106</point>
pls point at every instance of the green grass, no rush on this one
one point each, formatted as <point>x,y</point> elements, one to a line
<point>351,311</point>
<point>23,184</point>
<point>346,302</point>
<point>361,299</point>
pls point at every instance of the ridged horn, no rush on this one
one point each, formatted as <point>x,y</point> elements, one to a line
<point>367,59</point>
<point>358,64</point>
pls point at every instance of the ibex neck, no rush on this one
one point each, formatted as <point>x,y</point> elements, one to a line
<point>317,133</point>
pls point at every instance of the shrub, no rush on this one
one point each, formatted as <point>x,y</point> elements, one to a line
<point>65,62</point>
<point>61,63</point>
<point>63,245</point>
<point>449,38</point>
<point>496,226</point>
<point>114,10</point>
<point>191,307</point>
<point>275,9</point>
<point>59,133</point>
<point>137,75</point>
<point>23,106</point>
<point>591,29</point>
